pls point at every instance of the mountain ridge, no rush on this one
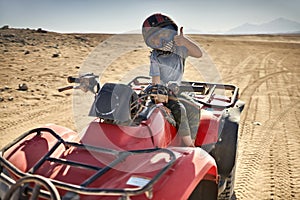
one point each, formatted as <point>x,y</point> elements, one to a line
<point>276,26</point>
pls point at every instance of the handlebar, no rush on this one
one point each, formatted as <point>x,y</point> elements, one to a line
<point>90,82</point>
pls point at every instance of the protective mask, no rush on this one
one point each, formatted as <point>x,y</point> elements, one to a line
<point>169,46</point>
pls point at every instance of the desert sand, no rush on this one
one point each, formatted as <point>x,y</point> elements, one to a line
<point>264,67</point>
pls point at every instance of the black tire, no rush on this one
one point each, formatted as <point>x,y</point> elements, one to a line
<point>228,193</point>
<point>207,190</point>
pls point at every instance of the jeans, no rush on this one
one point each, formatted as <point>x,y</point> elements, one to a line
<point>186,113</point>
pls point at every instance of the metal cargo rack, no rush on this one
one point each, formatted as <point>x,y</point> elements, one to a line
<point>83,188</point>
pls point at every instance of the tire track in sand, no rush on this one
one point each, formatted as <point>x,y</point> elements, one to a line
<point>268,158</point>
<point>279,163</point>
<point>262,165</point>
<point>58,111</point>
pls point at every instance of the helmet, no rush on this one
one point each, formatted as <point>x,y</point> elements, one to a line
<point>155,23</point>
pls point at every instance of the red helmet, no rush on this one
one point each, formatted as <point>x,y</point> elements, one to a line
<point>155,23</point>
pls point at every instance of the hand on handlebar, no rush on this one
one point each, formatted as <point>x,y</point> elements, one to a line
<point>158,93</point>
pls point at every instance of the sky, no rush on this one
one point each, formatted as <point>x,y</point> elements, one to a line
<point>122,16</point>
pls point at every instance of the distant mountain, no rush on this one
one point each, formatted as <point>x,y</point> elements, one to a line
<point>280,25</point>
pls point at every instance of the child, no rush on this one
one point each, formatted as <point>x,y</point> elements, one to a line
<point>167,65</point>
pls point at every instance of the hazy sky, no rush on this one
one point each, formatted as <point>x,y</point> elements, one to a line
<point>119,16</point>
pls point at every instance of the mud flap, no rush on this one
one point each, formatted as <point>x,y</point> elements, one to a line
<point>225,149</point>
<point>206,189</point>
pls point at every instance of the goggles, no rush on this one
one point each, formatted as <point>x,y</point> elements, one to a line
<point>161,38</point>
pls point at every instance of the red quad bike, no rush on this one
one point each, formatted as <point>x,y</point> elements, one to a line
<point>130,150</point>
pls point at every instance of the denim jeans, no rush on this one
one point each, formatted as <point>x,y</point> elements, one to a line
<point>186,113</point>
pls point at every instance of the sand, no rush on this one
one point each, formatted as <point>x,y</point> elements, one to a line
<point>264,67</point>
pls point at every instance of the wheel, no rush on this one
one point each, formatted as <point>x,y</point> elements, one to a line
<point>37,183</point>
<point>228,192</point>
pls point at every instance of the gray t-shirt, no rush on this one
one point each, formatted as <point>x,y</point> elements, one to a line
<point>170,66</point>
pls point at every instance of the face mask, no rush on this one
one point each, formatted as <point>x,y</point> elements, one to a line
<point>168,46</point>
<point>163,39</point>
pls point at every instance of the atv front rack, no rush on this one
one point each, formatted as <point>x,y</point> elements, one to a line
<point>83,188</point>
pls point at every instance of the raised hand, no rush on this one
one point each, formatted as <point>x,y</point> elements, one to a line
<point>193,49</point>
<point>180,40</point>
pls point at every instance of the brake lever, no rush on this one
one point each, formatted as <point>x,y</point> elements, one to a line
<point>65,88</point>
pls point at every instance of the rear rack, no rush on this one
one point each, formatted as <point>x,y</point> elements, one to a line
<point>83,187</point>
<point>209,93</point>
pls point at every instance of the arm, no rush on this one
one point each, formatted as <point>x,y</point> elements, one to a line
<point>155,80</point>
<point>193,49</point>
<point>188,141</point>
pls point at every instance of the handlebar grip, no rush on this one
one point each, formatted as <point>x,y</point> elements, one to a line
<point>73,80</point>
<point>65,88</point>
